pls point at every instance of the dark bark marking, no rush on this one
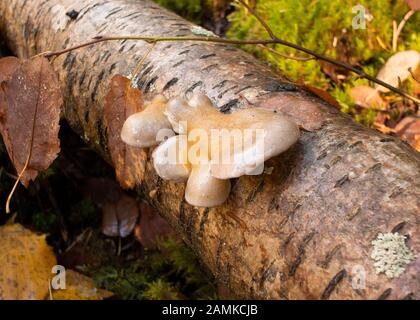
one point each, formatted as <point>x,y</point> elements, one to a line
<point>23,4</point>
<point>69,62</point>
<point>150,83</point>
<point>280,87</point>
<point>82,78</point>
<point>342,181</point>
<point>220,96</point>
<point>97,83</point>
<point>352,214</point>
<point>247,75</point>
<point>192,88</point>
<point>113,12</point>
<point>121,49</point>
<point>243,89</point>
<point>301,253</point>
<point>257,189</point>
<point>268,274</point>
<point>170,83</point>
<point>326,262</point>
<point>286,243</point>
<point>322,155</point>
<point>220,85</point>
<point>210,67</point>
<point>88,9</point>
<point>203,222</point>
<point>409,296</point>
<point>386,140</point>
<point>113,66</point>
<point>183,52</point>
<point>206,56</point>
<point>385,295</point>
<point>333,284</point>
<point>226,108</point>
<point>72,14</point>
<point>396,192</point>
<point>375,167</point>
<point>178,63</point>
<point>399,227</point>
<point>129,15</point>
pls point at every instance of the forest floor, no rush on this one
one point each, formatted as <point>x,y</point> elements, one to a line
<point>68,201</point>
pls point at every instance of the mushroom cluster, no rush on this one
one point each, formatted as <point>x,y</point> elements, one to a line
<point>205,147</point>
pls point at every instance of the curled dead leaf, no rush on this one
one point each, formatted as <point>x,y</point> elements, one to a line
<point>408,129</point>
<point>368,97</point>
<point>119,211</point>
<point>122,101</point>
<point>31,112</point>
<point>26,263</point>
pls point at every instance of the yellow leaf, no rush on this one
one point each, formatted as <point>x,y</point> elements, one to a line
<point>26,261</point>
<point>80,287</point>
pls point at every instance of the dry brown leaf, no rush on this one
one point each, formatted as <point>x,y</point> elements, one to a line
<point>151,227</point>
<point>119,218</point>
<point>33,100</point>
<point>395,70</point>
<point>8,65</point>
<point>366,96</point>
<point>413,4</point>
<point>119,211</point>
<point>324,95</point>
<point>408,129</point>
<point>26,263</point>
<point>122,101</point>
<point>80,287</point>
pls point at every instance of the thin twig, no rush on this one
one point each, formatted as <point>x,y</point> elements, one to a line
<point>274,40</point>
<point>285,55</point>
<point>259,18</point>
<point>398,30</point>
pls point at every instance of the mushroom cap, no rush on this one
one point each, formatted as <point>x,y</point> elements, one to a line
<point>170,159</point>
<point>141,129</point>
<point>262,133</point>
<point>269,135</point>
<point>203,190</point>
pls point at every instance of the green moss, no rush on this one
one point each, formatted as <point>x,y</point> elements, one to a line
<point>314,25</point>
<point>190,9</point>
<point>170,272</point>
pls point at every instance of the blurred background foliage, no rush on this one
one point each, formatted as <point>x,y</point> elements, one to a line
<point>324,26</point>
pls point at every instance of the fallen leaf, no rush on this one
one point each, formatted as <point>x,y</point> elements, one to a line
<point>408,129</point>
<point>151,227</point>
<point>366,96</point>
<point>122,101</point>
<point>305,113</point>
<point>8,66</point>
<point>396,68</point>
<point>26,263</point>
<point>413,4</point>
<point>119,211</point>
<point>119,218</point>
<point>31,117</point>
<point>80,287</point>
<point>324,95</point>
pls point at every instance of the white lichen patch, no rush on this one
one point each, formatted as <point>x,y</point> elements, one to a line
<point>200,31</point>
<point>391,254</point>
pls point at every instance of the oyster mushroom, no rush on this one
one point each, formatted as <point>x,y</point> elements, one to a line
<point>147,128</point>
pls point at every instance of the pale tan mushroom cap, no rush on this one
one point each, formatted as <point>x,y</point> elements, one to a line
<point>142,129</point>
<point>203,190</point>
<point>279,133</point>
<point>170,159</point>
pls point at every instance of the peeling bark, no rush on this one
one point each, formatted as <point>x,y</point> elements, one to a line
<point>297,233</point>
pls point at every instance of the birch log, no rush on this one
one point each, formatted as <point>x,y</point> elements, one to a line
<point>303,229</point>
